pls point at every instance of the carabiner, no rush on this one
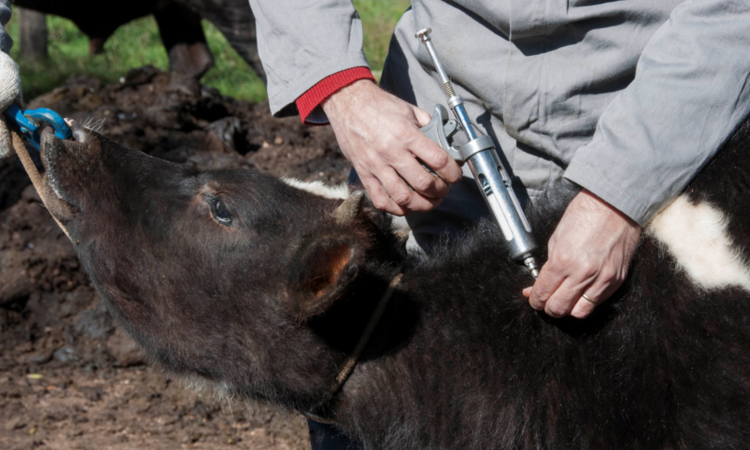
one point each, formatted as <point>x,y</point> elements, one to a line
<point>30,121</point>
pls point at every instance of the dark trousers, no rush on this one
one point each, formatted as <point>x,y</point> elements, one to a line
<point>328,437</point>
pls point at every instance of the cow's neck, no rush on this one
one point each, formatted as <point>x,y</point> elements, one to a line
<point>419,365</point>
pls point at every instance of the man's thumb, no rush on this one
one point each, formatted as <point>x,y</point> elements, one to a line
<point>423,117</point>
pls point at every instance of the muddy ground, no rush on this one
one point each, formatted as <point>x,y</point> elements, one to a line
<point>69,377</point>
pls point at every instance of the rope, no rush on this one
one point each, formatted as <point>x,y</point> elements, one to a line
<point>351,361</point>
<point>36,179</point>
<point>365,338</point>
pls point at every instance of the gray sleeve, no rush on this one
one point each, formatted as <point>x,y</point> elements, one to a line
<point>689,94</point>
<point>301,42</point>
<point>5,41</point>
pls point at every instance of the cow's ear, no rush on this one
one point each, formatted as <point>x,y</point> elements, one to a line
<point>327,263</point>
<point>323,273</point>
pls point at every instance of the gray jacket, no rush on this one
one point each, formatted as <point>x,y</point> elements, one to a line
<point>629,99</point>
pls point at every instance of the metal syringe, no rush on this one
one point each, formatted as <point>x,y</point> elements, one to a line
<point>480,154</point>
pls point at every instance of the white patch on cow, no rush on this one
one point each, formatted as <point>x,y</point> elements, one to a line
<point>398,224</point>
<point>319,188</point>
<point>696,235</point>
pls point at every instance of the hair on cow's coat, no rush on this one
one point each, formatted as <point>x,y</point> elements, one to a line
<point>661,365</point>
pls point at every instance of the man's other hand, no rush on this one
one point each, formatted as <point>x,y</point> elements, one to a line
<point>379,134</point>
<point>589,253</point>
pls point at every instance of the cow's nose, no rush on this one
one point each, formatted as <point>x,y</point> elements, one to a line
<point>79,133</point>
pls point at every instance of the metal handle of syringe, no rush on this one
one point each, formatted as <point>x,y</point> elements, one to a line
<point>491,177</point>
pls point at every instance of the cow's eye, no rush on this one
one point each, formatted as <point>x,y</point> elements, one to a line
<point>220,211</point>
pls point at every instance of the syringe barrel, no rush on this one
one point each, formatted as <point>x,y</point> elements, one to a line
<point>488,170</point>
<point>493,179</point>
<point>457,105</point>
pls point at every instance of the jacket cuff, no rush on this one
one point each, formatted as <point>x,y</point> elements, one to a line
<point>308,103</point>
<point>639,210</point>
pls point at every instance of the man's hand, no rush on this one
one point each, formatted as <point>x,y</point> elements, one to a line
<point>379,134</point>
<point>589,253</point>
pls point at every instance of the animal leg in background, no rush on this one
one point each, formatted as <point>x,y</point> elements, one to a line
<point>182,34</point>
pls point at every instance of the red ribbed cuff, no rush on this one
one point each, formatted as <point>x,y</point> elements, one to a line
<point>326,87</point>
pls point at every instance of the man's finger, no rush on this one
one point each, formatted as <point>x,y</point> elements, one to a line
<point>423,117</point>
<point>436,158</point>
<point>562,301</point>
<point>600,291</point>
<point>402,195</point>
<point>419,179</point>
<point>546,283</point>
<point>378,195</point>
<point>594,295</point>
<point>583,308</point>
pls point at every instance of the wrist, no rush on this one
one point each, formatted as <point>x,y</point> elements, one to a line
<point>309,104</point>
<point>600,204</point>
<point>341,100</point>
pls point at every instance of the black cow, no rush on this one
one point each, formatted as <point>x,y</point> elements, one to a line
<point>179,25</point>
<point>264,289</point>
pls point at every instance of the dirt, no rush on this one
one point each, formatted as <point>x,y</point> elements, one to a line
<point>70,378</point>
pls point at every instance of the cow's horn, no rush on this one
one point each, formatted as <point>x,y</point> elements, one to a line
<point>349,210</point>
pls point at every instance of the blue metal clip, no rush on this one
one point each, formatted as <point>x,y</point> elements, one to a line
<point>30,122</point>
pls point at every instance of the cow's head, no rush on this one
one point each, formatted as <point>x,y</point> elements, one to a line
<point>219,273</point>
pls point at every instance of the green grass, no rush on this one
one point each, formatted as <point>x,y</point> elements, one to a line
<point>134,45</point>
<point>138,43</point>
<point>231,75</point>
<point>379,17</point>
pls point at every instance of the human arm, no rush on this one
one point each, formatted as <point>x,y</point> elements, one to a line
<point>301,45</point>
<point>690,92</point>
